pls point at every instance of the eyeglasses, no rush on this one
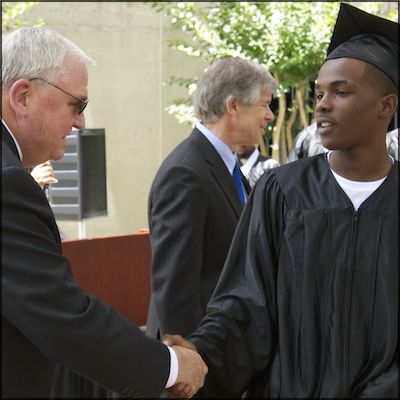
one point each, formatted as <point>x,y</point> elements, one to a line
<point>83,103</point>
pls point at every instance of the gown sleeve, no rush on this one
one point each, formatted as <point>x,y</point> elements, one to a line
<point>239,332</point>
<point>386,385</point>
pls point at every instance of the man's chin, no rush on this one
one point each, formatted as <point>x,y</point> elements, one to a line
<point>57,155</point>
<point>329,145</point>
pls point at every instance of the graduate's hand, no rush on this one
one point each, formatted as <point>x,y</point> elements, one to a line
<point>191,373</point>
<point>180,389</point>
<point>177,340</point>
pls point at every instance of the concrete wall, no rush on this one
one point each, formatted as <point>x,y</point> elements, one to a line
<point>127,98</point>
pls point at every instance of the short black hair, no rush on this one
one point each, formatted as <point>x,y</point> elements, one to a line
<point>382,81</point>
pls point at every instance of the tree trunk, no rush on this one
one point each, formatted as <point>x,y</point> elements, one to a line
<point>283,149</point>
<point>263,149</point>
<point>300,102</point>
<point>292,118</point>
<point>276,133</point>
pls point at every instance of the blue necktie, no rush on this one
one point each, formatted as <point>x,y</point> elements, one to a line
<point>237,180</point>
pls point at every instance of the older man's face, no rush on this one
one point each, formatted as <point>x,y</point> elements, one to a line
<point>53,113</point>
<point>251,121</point>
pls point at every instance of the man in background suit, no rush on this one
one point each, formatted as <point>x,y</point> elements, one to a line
<point>252,163</point>
<point>194,205</point>
<point>46,319</point>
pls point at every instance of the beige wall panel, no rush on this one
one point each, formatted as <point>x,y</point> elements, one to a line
<point>127,98</point>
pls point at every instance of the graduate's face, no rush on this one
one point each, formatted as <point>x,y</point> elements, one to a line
<point>252,120</point>
<point>347,105</point>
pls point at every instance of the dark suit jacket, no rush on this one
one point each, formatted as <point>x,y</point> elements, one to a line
<point>45,316</point>
<point>260,158</point>
<point>193,212</point>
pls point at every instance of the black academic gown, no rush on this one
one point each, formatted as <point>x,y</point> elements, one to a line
<point>307,303</point>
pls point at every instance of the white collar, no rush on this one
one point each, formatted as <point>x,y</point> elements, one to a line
<point>248,165</point>
<point>228,157</point>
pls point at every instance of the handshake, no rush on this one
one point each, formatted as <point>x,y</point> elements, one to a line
<point>192,369</point>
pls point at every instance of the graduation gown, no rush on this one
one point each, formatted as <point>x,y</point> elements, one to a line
<point>307,303</point>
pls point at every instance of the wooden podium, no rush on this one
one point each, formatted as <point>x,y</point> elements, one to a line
<point>116,269</point>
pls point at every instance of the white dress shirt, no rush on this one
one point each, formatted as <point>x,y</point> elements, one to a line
<point>248,165</point>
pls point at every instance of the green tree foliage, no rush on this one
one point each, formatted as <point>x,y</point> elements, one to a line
<point>11,14</point>
<point>289,38</point>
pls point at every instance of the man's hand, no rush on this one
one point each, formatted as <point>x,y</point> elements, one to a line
<point>43,174</point>
<point>177,340</point>
<point>192,369</point>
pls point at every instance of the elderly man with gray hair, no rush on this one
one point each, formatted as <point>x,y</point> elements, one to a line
<point>198,193</point>
<point>46,319</point>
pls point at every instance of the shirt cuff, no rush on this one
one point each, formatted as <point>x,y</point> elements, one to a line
<point>173,370</point>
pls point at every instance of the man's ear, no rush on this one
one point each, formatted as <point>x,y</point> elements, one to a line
<point>19,96</point>
<point>390,103</point>
<point>231,106</point>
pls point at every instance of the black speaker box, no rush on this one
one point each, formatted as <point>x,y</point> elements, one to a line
<point>81,191</point>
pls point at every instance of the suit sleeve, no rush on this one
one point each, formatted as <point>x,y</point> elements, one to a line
<point>43,301</point>
<point>177,211</point>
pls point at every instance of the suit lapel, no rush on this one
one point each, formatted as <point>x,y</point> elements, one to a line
<point>8,140</point>
<point>218,170</point>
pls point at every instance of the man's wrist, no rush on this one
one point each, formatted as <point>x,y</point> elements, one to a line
<point>173,368</point>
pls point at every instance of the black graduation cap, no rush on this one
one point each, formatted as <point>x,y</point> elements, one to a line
<point>358,34</point>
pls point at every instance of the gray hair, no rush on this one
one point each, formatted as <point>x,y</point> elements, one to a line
<point>31,52</point>
<point>230,77</point>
